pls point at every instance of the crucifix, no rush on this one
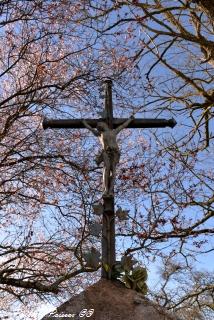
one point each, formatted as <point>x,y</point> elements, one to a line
<point>106,130</point>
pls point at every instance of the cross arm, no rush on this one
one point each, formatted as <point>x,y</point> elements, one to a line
<point>148,123</point>
<point>135,123</point>
<point>69,123</point>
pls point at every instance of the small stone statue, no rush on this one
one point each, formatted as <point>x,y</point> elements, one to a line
<point>110,154</point>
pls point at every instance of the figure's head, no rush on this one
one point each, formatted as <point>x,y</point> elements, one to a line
<point>102,126</point>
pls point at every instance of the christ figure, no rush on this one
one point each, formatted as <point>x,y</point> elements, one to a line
<point>110,154</point>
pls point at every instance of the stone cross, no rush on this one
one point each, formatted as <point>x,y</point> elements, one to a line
<point>106,129</point>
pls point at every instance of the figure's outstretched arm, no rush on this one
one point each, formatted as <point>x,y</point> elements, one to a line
<point>94,131</point>
<point>124,125</point>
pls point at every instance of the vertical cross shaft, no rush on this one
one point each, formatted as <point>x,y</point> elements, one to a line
<point>108,231</point>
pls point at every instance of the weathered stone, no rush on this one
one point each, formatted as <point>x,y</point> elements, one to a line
<point>110,300</point>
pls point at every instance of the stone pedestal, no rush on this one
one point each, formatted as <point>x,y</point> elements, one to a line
<point>109,300</point>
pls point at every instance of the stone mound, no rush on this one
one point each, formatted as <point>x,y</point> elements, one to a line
<point>109,300</point>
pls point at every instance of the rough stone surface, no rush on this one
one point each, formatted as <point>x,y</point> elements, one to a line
<point>111,300</point>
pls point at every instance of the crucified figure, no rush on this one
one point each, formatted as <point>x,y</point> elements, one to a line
<point>110,154</point>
